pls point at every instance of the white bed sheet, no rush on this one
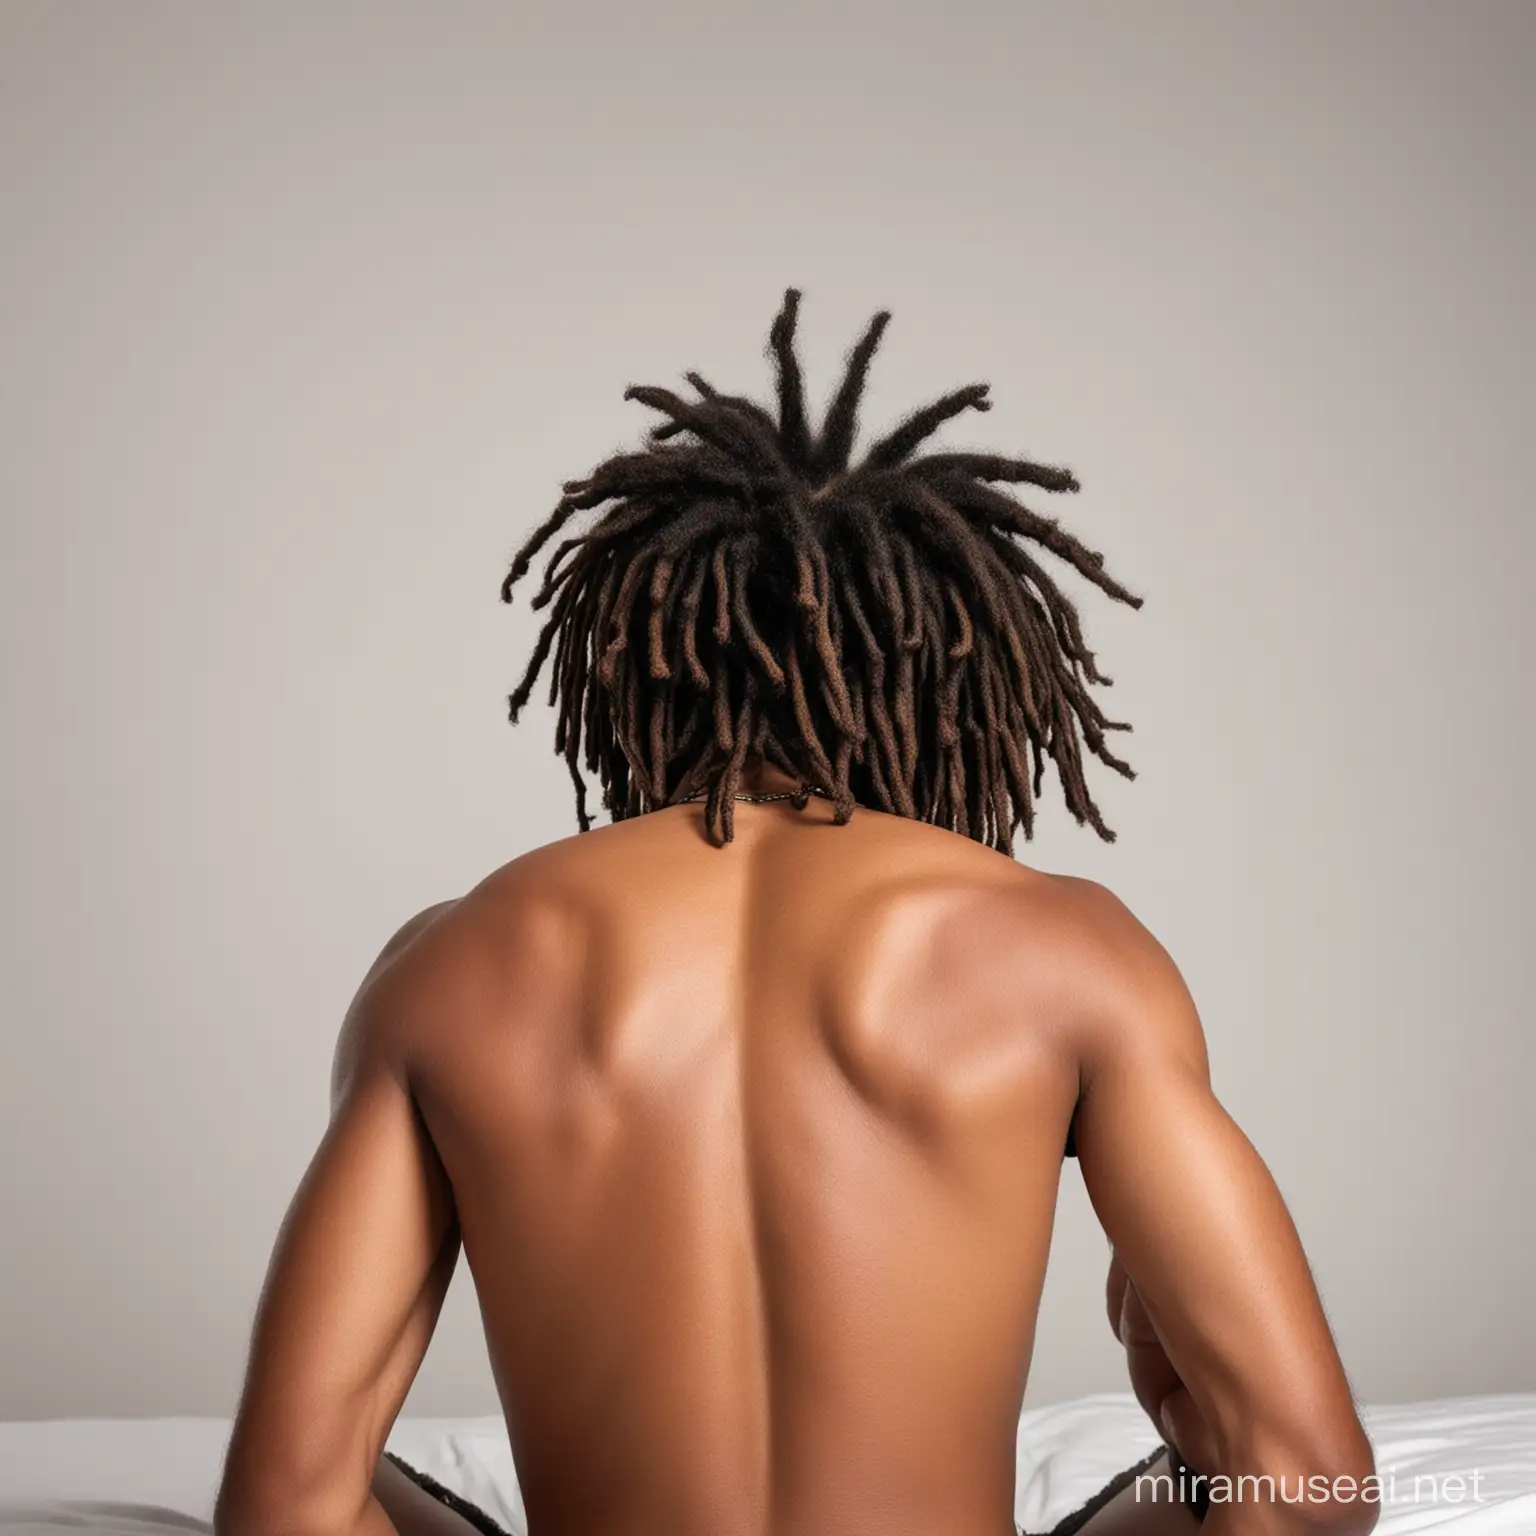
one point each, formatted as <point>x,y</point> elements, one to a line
<point>157,1477</point>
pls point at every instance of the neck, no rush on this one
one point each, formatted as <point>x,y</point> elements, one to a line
<point>764,779</point>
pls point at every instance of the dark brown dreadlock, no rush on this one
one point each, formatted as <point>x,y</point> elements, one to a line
<point>880,632</point>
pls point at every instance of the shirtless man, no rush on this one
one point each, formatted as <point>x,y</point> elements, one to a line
<point>748,1110</point>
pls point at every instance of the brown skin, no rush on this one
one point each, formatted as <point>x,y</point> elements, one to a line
<point>753,1153</point>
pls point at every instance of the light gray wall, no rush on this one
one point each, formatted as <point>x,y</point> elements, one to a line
<point>308,309</point>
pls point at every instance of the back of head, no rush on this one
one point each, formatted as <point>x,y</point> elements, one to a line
<point>883,631</point>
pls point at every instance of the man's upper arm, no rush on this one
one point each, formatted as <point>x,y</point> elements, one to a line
<point>353,1290</point>
<point>1198,1222</point>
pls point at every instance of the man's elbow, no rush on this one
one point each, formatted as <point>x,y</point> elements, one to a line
<point>267,1508</point>
<point>1327,1483</point>
<point>247,1513</point>
<point>242,1513</point>
<point>1351,1502</point>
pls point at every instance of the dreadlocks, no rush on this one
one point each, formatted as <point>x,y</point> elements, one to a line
<point>883,632</point>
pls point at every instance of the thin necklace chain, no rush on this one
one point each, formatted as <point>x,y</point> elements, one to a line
<point>777,794</point>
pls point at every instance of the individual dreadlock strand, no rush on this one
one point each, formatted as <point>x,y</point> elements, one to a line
<point>906,721</point>
<point>722,595</point>
<point>954,783</point>
<point>990,467</point>
<point>860,739</point>
<point>749,631</point>
<point>715,803</point>
<point>659,475</point>
<point>730,780</point>
<point>801,705</point>
<point>805,582</point>
<point>886,797</point>
<point>935,630</point>
<point>961,645</point>
<point>792,424</point>
<point>629,719</point>
<point>884,561</point>
<point>669,750</point>
<point>692,599</point>
<point>658,762</point>
<point>596,725</point>
<point>1017,768</point>
<point>661,576</point>
<point>837,431</point>
<point>536,541</point>
<point>887,758</point>
<point>519,695</point>
<point>898,445</point>
<point>976,784</point>
<point>843,802</point>
<point>991,780</point>
<point>949,706</point>
<point>696,722</point>
<point>720,696</point>
<point>912,597</point>
<point>834,690</point>
<point>1037,751</point>
<point>1002,811</point>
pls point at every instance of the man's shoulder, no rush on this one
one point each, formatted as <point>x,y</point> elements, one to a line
<point>1069,939</point>
<point>1064,908</point>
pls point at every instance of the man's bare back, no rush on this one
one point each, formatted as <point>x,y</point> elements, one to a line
<point>755,1154</point>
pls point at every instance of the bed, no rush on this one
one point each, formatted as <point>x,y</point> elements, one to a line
<point>1463,1466</point>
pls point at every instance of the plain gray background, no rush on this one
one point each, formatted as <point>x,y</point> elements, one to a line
<point>308,309</point>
